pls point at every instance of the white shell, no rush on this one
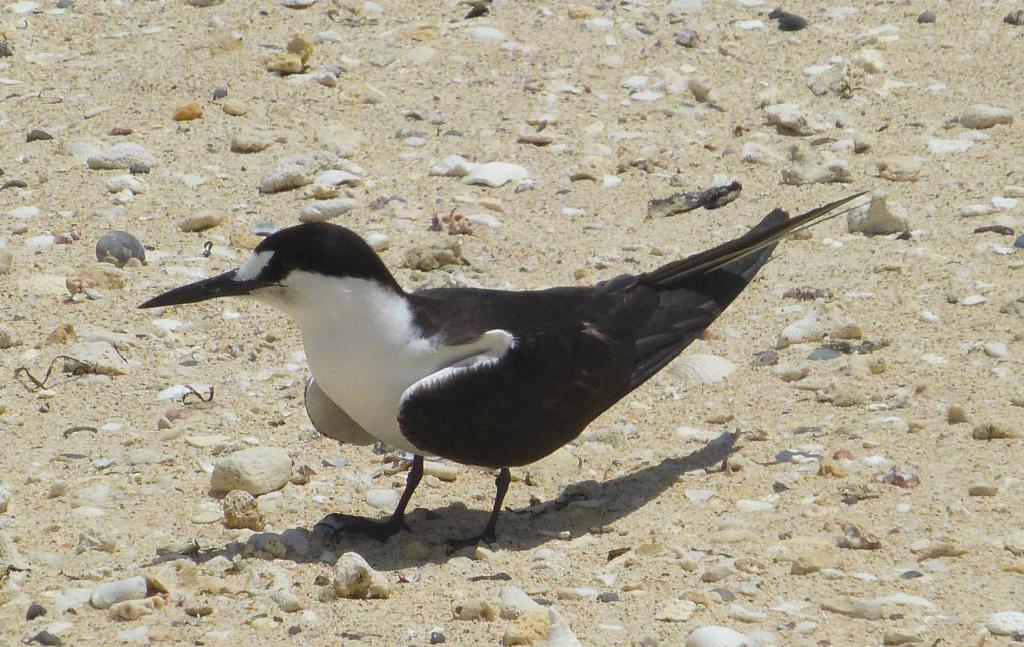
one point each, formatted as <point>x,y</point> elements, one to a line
<point>495,174</point>
<point>704,369</point>
<point>808,328</point>
<point>104,595</point>
<point>1005,623</point>
<point>716,636</point>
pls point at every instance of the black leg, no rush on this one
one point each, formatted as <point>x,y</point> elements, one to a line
<point>411,481</point>
<point>490,533</point>
<point>337,525</point>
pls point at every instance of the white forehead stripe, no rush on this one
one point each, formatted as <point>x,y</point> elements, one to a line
<point>253,266</point>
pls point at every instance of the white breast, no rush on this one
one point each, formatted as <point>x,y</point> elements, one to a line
<point>365,351</point>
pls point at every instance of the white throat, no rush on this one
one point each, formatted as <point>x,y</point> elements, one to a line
<point>363,348</point>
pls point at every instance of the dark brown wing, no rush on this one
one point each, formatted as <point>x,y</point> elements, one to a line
<point>540,395</point>
<point>577,350</point>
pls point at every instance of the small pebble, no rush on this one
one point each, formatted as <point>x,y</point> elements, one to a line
<point>118,247</point>
<point>47,638</point>
<point>877,217</point>
<point>248,140</point>
<point>378,241</point>
<point>997,349</point>
<point>125,155</point>
<point>382,499</point>
<point>496,174</point>
<point>983,490</point>
<point>263,228</point>
<point>323,210</point>
<point>5,494</point>
<point>676,611</point>
<point>926,17</point>
<point>286,600</point>
<point>38,135</point>
<point>188,112</point>
<point>899,168</point>
<point>901,478</point>
<point>104,595</point>
<point>256,470</point>
<point>201,222</point>
<point>234,108</point>
<point>34,611</point>
<point>994,431</point>
<point>687,38</point>
<point>788,21</point>
<point>96,539</point>
<point>980,116</point>
<point>1005,623</point>
<point>241,510</point>
<point>715,636</point>
<point>354,578</point>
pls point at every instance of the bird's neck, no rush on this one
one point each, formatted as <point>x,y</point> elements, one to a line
<point>362,310</point>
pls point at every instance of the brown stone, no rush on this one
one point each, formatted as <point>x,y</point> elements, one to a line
<point>188,112</point>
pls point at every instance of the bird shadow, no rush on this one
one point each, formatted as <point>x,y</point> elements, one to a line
<point>580,508</point>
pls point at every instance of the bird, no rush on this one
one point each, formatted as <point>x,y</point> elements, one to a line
<point>483,377</point>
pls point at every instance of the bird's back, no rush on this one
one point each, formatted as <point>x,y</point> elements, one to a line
<point>578,351</point>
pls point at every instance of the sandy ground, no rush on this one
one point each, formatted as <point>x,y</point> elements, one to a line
<point>642,477</point>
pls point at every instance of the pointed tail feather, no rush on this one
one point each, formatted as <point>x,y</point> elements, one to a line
<point>694,291</point>
<point>770,231</point>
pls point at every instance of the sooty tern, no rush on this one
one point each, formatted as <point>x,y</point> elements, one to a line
<point>489,378</point>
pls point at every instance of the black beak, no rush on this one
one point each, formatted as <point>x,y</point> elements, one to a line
<point>222,285</point>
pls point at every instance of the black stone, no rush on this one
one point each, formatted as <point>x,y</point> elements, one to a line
<point>294,630</point>
<point>994,229</point>
<point>1019,242</point>
<point>219,93</point>
<point>611,596</point>
<point>497,577</point>
<point>34,611</point>
<point>46,638</point>
<point>37,135</point>
<point>788,21</point>
<point>478,9</point>
<point>119,246</point>
<point>926,17</point>
<point>139,169</point>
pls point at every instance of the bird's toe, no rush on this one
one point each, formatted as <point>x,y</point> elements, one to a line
<point>456,544</point>
<point>337,526</point>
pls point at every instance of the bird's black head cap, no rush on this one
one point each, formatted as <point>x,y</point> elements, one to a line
<point>315,247</point>
<point>322,248</point>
